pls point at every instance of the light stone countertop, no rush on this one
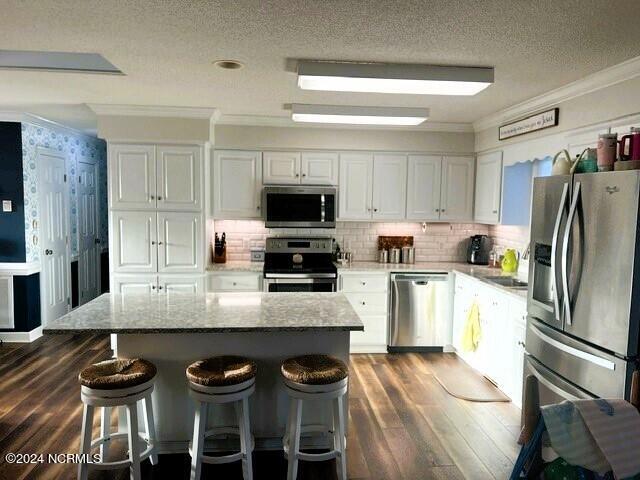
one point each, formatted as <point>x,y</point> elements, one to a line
<point>210,313</point>
<point>236,266</point>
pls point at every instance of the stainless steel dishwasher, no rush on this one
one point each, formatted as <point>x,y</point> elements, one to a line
<point>419,316</point>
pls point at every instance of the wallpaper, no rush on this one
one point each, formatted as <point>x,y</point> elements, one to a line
<point>75,148</point>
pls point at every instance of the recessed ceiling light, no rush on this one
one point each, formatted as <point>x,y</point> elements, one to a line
<point>228,64</point>
<point>358,115</point>
<point>393,78</point>
<point>57,62</point>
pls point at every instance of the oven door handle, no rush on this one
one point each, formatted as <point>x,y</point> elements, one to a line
<point>299,276</point>
<point>323,208</point>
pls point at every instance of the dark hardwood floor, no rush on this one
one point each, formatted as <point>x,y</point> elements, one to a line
<point>403,425</point>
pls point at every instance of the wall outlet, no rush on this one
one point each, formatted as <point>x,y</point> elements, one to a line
<point>7,206</point>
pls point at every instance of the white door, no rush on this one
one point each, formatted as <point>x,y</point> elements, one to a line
<point>132,176</point>
<point>237,184</point>
<point>134,284</point>
<point>179,177</point>
<point>423,187</point>
<point>54,235</point>
<point>389,186</point>
<point>354,190</point>
<point>179,242</point>
<point>281,168</point>
<point>180,284</point>
<point>88,235</point>
<point>319,168</point>
<point>456,196</point>
<point>134,242</point>
<point>488,188</point>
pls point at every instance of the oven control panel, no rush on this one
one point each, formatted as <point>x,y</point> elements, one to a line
<point>298,245</point>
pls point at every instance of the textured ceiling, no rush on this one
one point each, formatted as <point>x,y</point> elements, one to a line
<point>166,49</point>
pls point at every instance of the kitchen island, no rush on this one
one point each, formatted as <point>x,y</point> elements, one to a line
<point>173,330</point>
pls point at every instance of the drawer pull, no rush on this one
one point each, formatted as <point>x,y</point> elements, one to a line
<point>363,303</point>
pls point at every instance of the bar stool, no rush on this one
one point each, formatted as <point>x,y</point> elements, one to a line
<point>219,380</point>
<point>315,377</point>
<point>118,382</point>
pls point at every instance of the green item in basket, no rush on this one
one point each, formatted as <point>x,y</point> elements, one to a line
<point>559,469</point>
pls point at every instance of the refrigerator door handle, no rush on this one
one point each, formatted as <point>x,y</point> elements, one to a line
<point>554,250</point>
<point>565,253</point>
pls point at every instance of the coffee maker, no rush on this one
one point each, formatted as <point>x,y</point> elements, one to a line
<point>478,250</point>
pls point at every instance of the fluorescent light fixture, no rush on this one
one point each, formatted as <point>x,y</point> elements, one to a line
<point>57,62</point>
<point>393,78</point>
<point>358,115</point>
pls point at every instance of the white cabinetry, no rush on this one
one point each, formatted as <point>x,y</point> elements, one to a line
<point>234,282</point>
<point>488,188</point>
<point>423,187</point>
<point>356,185</point>
<point>368,294</point>
<point>389,186</point>
<point>132,284</point>
<point>132,176</point>
<point>281,168</point>
<point>237,184</point>
<point>500,352</point>
<point>456,195</point>
<point>146,177</point>
<point>319,168</point>
<point>148,242</point>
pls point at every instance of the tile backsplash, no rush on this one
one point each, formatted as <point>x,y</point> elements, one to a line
<point>509,236</point>
<point>440,242</point>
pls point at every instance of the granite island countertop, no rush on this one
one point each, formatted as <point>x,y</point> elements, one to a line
<point>210,313</point>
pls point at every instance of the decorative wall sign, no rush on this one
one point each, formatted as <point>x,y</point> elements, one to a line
<point>530,124</point>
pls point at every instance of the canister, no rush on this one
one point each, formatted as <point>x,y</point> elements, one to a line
<point>394,255</point>
<point>383,256</point>
<point>408,255</point>
<point>607,146</point>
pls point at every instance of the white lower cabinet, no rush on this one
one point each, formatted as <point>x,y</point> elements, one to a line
<point>131,284</point>
<point>368,294</point>
<point>234,282</point>
<point>500,352</point>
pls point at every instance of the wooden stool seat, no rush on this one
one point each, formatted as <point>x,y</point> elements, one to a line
<point>221,371</point>
<point>314,369</point>
<point>117,373</point>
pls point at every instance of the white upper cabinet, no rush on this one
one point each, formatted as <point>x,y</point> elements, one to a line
<point>423,187</point>
<point>134,242</point>
<point>488,188</point>
<point>281,168</point>
<point>456,196</point>
<point>355,187</point>
<point>179,242</point>
<point>389,186</point>
<point>237,184</point>
<point>319,168</point>
<point>132,174</point>
<point>179,177</point>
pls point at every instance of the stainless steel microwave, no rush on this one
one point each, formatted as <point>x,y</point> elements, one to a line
<point>299,207</point>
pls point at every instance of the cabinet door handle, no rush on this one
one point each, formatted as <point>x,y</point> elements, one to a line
<point>495,211</point>
<point>437,210</point>
<point>159,243</point>
<point>48,252</point>
<point>153,287</point>
<point>152,197</point>
<point>159,197</point>
<point>159,288</point>
<point>304,174</point>
<point>297,175</point>
<point>363,303</point>
<point>258,207</point>
<point>152,242</point>
<point>443,210</point>
<point>364,283</point>
<point>375,209</point>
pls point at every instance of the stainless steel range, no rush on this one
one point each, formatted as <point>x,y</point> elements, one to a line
<point>295,264</point>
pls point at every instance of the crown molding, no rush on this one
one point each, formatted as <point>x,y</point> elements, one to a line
<point>155,111</point>
<point>269,121</point>
<point>26,117</point>
<point>591,83</point>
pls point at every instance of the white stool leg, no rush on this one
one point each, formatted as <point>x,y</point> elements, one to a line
<point>134,444</point>
<point>105,432</point>
<point>85,440</point>
<point>242,413</point>
<point>150,427</point>
<point>294,438</point>
<point>338,437</point>
<point>197,445</point>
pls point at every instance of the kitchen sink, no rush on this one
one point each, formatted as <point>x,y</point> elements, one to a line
<point>508,282</point>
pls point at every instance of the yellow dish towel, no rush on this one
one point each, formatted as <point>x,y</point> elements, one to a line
<point>471,333</point>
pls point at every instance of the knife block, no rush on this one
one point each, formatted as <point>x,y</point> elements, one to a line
<point>220,254</point>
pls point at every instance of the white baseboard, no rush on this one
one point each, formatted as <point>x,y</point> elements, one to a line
<point>368,349</point>
<point>21,337</point>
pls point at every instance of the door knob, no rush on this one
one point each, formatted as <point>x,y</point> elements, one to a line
<point>48,252</point>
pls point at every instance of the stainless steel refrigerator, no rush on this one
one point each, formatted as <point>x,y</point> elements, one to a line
<point>584,298</point>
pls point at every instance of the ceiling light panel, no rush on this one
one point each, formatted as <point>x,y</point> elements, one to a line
<point>393,78</point>
<point>57,62</point>
<point>394,116</point>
